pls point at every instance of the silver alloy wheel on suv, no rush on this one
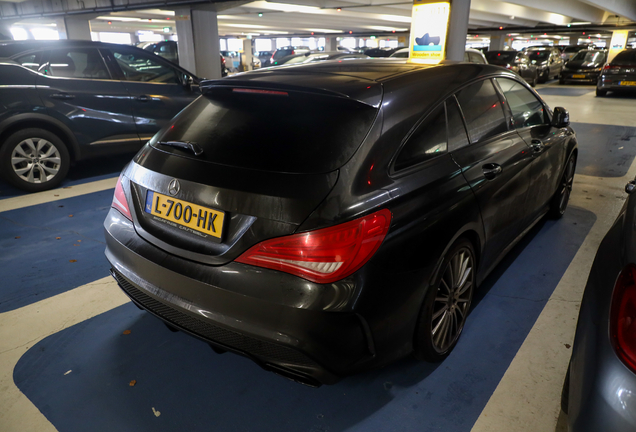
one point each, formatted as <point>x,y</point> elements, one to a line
<point>36,160</point>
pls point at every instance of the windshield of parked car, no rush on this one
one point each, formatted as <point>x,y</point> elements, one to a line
<point>498,57</point>
<point>538,55</point>
<point>573,49</point>
<point>590,57</point>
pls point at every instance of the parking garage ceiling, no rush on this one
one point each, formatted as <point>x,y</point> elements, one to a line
<point>334,16</point>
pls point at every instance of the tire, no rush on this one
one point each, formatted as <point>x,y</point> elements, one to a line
<point>446,304</point>
<point>561,80</point>
<point>600,93</point>
<point>565,392</point>
<point>559,202</point>
<point>535,79</point>
<point>544,76</point>
<point>34,160</point>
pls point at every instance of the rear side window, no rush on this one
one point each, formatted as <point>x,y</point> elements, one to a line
<point>482,111</point>
<point>526,109</point>
<point>273,130</point>
<point>31,61</point>
<point>77,63</point>
<point>142,67</point>
<point>427,142</point>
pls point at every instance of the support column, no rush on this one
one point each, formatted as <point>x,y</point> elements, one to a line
<point>331,43</point>
<point>246,57</point>
<point>5,33</point>
<point>496,42</point>
<point>199,50</point>
<point>457,30</point>
<point>76,28</point>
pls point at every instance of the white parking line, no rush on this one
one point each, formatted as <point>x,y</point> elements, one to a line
<point>22,328</point>
<point>56,194</point>
<point>527,399</point>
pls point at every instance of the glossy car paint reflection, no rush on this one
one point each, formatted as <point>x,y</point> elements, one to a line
<point>602,389</point>
<point>312,332</point>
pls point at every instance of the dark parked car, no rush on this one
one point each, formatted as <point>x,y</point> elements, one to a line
<point>586,65</point>
<point>311,57</point>
<point>284,52</point>
<point>359,238</point>
<point>547,60</point>
<point>601,380</point>
<point>619,74</point>
<point>380,52</point>
<point>516,61</point>
<point>63,101</point>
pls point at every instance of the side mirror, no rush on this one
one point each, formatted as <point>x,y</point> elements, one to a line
<point>560,117</point>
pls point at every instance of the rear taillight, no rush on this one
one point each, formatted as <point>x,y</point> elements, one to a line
<point>119,200</point>
<point>623,316</point>
<point>325,255</point>
<point>611,68</point>
<point>293,52</point>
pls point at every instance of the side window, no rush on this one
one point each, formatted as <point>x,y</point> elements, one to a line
<point>482,110</point>
<point>77,63</point>
<point>457,137</point>
<point>139,66</point>
<point>526,109</point>
<point>466,57</point>
<point>427,142</point>
<point>31,61</point>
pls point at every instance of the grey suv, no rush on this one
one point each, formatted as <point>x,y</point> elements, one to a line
<point>63,101</point>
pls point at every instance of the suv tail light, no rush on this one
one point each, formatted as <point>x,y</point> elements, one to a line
<point>623,316</point>
<point>119,200</point>
<point>612,68</point>
<point>325,255</point>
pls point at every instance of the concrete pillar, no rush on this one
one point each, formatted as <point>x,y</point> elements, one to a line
<point>496,42</point>
<point>248,53</point>
<point>76,28</point>
<point>331,43</point>
<point>5,33</point>
<point>457,30</point>
<point>199,49</point>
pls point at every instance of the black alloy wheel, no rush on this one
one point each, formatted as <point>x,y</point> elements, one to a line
<point>562,195</point>
<point>447,304</point>
<point>34,160</point>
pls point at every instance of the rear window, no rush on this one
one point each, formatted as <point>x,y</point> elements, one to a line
<point>626,57</point>
<point>573,49</point>
<point>501,57</point>
<point>590,56</point>
<point>277,131</point>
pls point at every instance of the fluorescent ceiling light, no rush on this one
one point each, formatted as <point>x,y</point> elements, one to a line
<point>157,12</point>
<point>386,29</point>
<point>281,7</point>
<point>580,23</point>
<point>319,30</point>
<point>249,26</point>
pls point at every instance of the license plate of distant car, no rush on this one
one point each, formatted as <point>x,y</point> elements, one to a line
<point>578,76</point>
<point>186,216</point>
<point>628,83</point>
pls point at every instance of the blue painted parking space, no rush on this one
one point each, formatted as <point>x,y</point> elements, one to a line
<point>604,150</point>
<point>83,172</point>
<point>79,378</point>
<point>51,248</point>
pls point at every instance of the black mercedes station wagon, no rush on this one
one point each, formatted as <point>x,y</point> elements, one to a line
<point>324,219</point>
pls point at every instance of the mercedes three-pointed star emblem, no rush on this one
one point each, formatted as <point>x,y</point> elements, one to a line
<point>174,187</point>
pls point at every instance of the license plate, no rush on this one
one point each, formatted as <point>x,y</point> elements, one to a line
<point>628,83</point>
<point>186,216</point>
<point>578,76</point>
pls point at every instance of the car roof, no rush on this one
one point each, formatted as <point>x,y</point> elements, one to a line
<point>360,80</point>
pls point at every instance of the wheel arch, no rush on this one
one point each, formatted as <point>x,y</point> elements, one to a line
<point>24,121</point>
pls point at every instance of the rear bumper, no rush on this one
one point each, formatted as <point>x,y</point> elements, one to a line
<point>300,341</point>
<point>580,76</point>
<point>613,82</point>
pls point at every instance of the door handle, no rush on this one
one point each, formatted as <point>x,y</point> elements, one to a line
<point>492,170</point>
<point>537,145</point>
<point>142,98</point>
<point>62,96</point>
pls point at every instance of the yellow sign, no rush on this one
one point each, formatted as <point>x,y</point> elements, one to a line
<point>429,27</point>
<point>618,43</point>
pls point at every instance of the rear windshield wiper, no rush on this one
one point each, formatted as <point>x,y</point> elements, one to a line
<point>187,145</point>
